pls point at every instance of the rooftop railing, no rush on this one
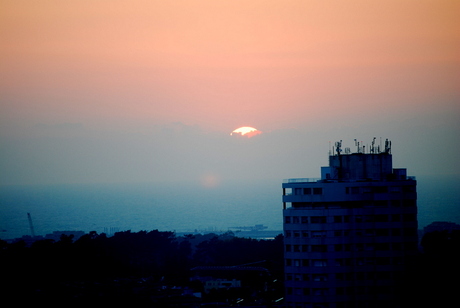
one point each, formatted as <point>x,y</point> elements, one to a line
<point>314,180</point>
<point>301,180</point>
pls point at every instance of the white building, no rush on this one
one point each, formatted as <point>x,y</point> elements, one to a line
<point>349,234</point>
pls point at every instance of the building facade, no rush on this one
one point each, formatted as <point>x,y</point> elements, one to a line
<point>349,234</point>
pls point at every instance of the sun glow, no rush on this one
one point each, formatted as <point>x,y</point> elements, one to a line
<point>246,131</point>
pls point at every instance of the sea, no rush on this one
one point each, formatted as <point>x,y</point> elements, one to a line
<point>179,207</point>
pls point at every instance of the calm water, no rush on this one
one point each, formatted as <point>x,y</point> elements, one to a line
<point>178,207</point>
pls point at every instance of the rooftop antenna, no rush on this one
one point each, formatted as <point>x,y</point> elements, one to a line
<point>31,225</point>
<point>387,146</point>
<point>338,146</point>
<point>372,146</point>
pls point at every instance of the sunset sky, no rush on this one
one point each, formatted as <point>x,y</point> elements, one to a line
<point>140,91</point>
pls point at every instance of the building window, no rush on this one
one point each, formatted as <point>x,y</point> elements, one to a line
<point>320,292</point>
<point>367,190</point>
<point>383,275</point>
<point>382,232</point>
<point>360,261</point>
<point>338,219</point>
<point>369,232</point>
<point>381,189</point>
<point>409,217</point>
<point>342,262</point>
<point>318,248</point>
<point>381,218</point>
<point>295,219</point>
<point>307,191</point>
<point>408,188</point>
<point>369,218</point>
<point>318,219</point>
<point>382,246</point>
<point>410,232</point>
<point>319,277</point>
<point>383,261</point>
<point>369,247</point>
<point>317,191</point>
<point>304,219</point>
<point>287,219</point>
<point>410,246</point>
<point>319,263</point>
<point>409,203</point>
<point>298,291</point>
<point>318,234</point>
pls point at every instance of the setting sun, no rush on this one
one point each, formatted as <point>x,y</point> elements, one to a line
<point>246,131</point>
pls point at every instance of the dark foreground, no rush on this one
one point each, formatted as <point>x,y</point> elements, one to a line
<point>160,269</point>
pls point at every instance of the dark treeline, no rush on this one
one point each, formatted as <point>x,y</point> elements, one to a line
<point>432,278</point>
<point>127,267</point>
<point>135,268</point>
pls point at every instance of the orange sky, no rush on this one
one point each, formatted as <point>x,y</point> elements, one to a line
<point>142,90</point>
<point>224,64</point>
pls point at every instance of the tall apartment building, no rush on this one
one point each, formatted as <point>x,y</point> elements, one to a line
<point>349,234</point>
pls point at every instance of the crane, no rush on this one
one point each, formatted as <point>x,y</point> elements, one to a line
<point>31,225</point>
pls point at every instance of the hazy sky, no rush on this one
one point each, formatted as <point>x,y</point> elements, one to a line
<point>135,91</point>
